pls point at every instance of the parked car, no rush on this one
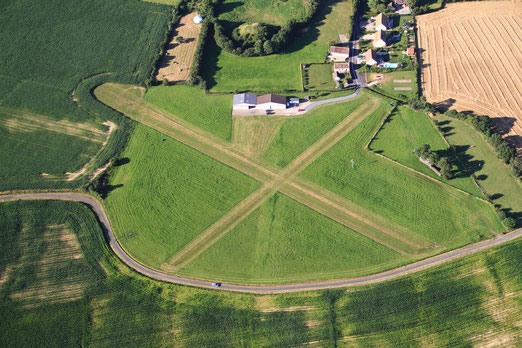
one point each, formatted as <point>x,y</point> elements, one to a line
<point>216,285</point>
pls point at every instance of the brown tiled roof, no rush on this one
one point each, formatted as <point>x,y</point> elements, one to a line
<point>380,35</point>
<point>340,50</point>
<point>369,55</point>
<point>411,51</point>
<point>338,66</point>
<point>271,98</point>
<point>382,19</point>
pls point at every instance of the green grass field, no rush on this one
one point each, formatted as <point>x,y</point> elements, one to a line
<point>319,77</point>
<point>297,134</point>
<point>479,158</point>
<point>441,214</point>
<point>389,85</point>
<point>473,301</point>
<point>167,194</point>
<point>226,72</point>
<point>406,130</point>
<point>40,69</point>
<point>273,12</point>
<point>284,241</point>
<point>208,112</point>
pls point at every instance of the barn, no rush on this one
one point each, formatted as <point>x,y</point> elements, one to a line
<point>244,101</point>
<point>271,102</point>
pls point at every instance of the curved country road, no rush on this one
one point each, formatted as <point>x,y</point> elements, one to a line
<point>261,289</point>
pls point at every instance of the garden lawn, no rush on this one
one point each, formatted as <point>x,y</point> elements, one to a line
<point>435,211</point>
<point>389,85</point>
<point>209,112</point>
<point>320,77</point>
<point>479,157</point>
<point>274,12</point>
<point>284,241</point>
<point>406,130</point>
<point>297,134</point>
<point>167,194</point>
<point>75,40</point>
<point>226,72</point>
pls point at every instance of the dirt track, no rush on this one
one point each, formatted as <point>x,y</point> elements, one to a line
<point>177,60</point>
<point>472,61</point>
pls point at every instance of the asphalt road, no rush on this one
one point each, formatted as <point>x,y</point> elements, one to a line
<point>261,289</point>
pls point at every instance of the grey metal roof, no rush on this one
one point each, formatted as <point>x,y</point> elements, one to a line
<point>245,98</point>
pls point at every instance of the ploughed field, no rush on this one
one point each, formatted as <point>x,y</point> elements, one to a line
<point>472,59</point>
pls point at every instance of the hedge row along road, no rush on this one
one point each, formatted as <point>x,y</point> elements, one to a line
<point>97,207</point>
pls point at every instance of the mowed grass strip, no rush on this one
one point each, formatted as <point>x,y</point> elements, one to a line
<point>432,210</point>
<point>480,159</point>
<point>297,134</point>
<point>226,72</point>
<point>167,194</point>
<point>209,112</point>
<point>284,241</point>
<point>404,131</point>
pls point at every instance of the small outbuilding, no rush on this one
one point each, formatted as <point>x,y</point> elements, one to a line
<point>197,19</point>
<point>411,51</point>
<point>293,101</point>
<point>244,101</point>
<point>271,102</point>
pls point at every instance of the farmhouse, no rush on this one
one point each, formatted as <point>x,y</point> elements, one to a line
<point>271,102</point>
<point>244,101</point>
<point>341,67</point>
<point>380,39</point>
<point>370,57</point>
<point>382,22</point>
<point>339,53</point>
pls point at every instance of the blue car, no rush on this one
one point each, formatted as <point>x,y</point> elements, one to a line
<point>216,285</point>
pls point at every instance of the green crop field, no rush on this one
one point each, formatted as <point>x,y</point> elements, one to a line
<point>226,72</point>
<point>208,112</point>
<point>297,134</point>
<point>40,69</point>
<point>284,241</point>
<point>473,301</point>
<point>479,158</point>
<point>439,213</point>
<point>406,130</point>
<point>319,77</point>
<point>167,194</point>
<point>274,12</point>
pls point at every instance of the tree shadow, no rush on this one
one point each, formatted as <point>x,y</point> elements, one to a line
<point>444,105</point>
<point>496,196</point>
<point>109,189</point>
<point>121,161</point>
<point>481,177</point>
<point>469,164</point>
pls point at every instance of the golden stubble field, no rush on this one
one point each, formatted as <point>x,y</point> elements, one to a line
<point>472,60</point>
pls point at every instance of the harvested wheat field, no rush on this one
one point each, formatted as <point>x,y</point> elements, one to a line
<point>175,63</point>
<point>472,61</point>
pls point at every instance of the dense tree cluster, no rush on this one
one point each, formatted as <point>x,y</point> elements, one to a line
<point>443,164</point>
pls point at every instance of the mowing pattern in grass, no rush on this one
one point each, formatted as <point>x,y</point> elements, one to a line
<point>432,210</point>
<point>284,241</point>
<point>297,134</point>
<point>227,72</point>
<point>274,12</point>
<point>155,215</point>
<point>208,112</point>
<point>406,130</point>
<point>479,158</point>
<point>40,69</point>
<point>473,301</point>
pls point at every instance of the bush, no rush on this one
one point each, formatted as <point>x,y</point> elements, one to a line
<point>195,71</point>
<point>510,223</point>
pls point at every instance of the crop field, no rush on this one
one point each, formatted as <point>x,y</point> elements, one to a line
<point>406,130</point>
<point>471,301</point>
<point>121,40</point>
<point>491,174</point>
<point>225,72</point>
<point>471,61</point>
<point>439,213</point>
<point>273,12</point>
<point>154,215</point>
<point>175,64</point>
